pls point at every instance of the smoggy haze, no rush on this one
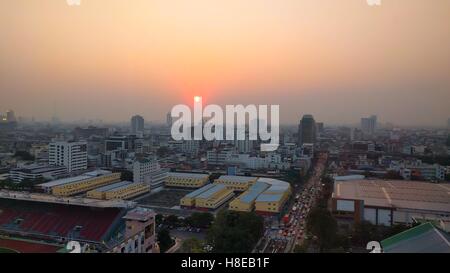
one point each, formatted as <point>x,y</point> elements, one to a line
<point>339,60</point>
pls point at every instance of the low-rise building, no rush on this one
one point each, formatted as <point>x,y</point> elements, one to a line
<point>389,202</point>
<point>246,201</point>
<point>79,184</point>
<point>186,180</point>
<point>236,183</point>
<point>214,197</point>
<point>188,201</point>
<point>424,238</point>
<point>419,170</point>
<point>272,200</point>
<point>36,172</point>
<point>121,190</point>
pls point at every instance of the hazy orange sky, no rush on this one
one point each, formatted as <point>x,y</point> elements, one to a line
<point>336,59</point>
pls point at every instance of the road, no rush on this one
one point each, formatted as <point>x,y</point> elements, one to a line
<point>283,237</point>
<point>307,200</point>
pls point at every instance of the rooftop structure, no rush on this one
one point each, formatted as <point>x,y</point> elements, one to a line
<point>79,201</point>
<point>388,202</point>
<point>424,238</point>
<point>200,191</point>
<point>396,194</point>
<point>68,180</point>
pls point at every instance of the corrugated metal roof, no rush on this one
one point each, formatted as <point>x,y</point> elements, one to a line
<point>237,179</point>
<point>188,175</point>
<point>396,193</point>
<point>207,194</point>
<point>64,181</point>
<point>85,176</point>
<point>199,191</point>
<point>113,186</point>
<point>253,192</point>
<point>269,198</point>
<point>121,187</point>
<point>424,238</point>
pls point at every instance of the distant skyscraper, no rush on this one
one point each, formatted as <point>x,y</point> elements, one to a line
<point>10,116</point>
<point>307,130</point>
<point>137,124</point>
<point>169,120</point>
<point>71,154</point>
<point>368,125</point>
<point>320,127</point>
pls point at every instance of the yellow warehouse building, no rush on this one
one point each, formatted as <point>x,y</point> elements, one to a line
<point>189,200</point>
<point>79,184</point>
<point>121,190</point>
<point>214,197</point>
<point>246,201</point>
<point>236,183</point>
<point>272,200</point>
<point>186,180</point>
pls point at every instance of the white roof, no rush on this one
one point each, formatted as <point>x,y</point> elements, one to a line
<point>63,181</point>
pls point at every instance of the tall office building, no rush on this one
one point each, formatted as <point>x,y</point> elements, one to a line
<point>137,124</point>
<point>307,130</point>
<point>10,116</point>
<point>71,154</point>
<point>169,119</point>
<point>147,170</point>
<point>368,125</point>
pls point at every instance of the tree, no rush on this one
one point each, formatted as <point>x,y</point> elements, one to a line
<point>393,230</point>
<point>172,220</point>
<point>235,232</point>
<point>164,240</point>
<point>200,220</point>
<point>192,245</point>
<point>322,224</point>
<point>326,179</point>
<point>365,232</point>
<point>303,248</point>
<point>159,219</point>
<point>24,155</point>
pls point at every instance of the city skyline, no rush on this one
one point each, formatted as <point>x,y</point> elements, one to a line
<point>337,61</point>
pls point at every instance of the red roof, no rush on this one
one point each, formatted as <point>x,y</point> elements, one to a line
<point>28,247</point>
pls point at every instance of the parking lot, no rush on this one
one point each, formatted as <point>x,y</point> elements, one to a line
<point>166,198</point>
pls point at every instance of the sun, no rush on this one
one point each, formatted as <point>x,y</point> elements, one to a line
<point>197,98</point>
